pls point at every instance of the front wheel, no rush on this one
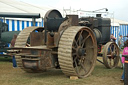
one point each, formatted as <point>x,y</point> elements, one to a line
<point>111,55</point>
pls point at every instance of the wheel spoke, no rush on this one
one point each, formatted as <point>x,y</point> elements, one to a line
<point>73,48</point>
<point>110,62</point>
<point>75,43</point>
<point>76,67</point>
<point>83,67</point>
<point>80,40</point>
<point>83,42</point>
<point>114,49</point>
<point>110,49</point>
<point>74,59</point>
<point>109,55</point>
<point>73,54</point>
<point>114,60</point>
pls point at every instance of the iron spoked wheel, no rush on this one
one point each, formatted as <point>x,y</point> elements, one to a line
<point>77,51</point>
<point>111,55</point>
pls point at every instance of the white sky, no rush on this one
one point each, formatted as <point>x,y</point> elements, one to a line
<point>118,7</point>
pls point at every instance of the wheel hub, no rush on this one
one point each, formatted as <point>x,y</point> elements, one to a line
<point>81,51</point>
<point>113,55</point>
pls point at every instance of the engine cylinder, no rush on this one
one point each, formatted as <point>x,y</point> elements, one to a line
<point>97,34</point>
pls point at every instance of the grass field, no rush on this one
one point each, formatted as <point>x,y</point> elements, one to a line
<point>15,76</point>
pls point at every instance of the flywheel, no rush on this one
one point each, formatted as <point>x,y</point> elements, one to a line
<point>77,51</point>
<point>111,55</point>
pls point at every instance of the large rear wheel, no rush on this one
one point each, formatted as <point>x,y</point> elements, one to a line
<point>21,41</point>
<point>77,51</point>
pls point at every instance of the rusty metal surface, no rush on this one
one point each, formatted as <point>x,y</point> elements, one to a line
<point>21,41</point>
<point>74,19</point>
<point>30,64</point>
<point>37,56</point>
<point>46,61</point>
<point>68,22</point>
<point>33,48</point>
<point>36,36</point>
<point>23,36</point>
<point>56,38</point>
<point>50,40</point>
<point>39,60</point>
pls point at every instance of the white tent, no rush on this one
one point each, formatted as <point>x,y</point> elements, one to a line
<point>13,6</point>
<point>21,7</point>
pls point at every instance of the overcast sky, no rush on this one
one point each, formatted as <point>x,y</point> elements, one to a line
<point>118,7</point>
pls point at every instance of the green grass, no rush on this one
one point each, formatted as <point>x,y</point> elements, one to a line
<point>15,76</point>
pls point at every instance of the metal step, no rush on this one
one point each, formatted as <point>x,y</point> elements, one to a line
<point>13,51</point>
<point>34,48</point>
<point>22,54</point>
<point>35,59</point>
<point>31,55</point>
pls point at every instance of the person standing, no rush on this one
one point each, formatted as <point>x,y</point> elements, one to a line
<point>113,39</point>
<point>12,45</point>
<point>125,52</point>
<point>120,42</point>
<point>13,40</point>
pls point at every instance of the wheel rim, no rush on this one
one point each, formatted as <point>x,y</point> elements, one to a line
<point>111,55</point>
<point>82,47</point>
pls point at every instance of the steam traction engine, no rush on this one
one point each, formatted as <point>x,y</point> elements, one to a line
<point>67,43</point>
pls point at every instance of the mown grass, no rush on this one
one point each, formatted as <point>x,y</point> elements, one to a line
<point>15,76</point>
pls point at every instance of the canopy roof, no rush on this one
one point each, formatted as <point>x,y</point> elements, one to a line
<point>21,7</point>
